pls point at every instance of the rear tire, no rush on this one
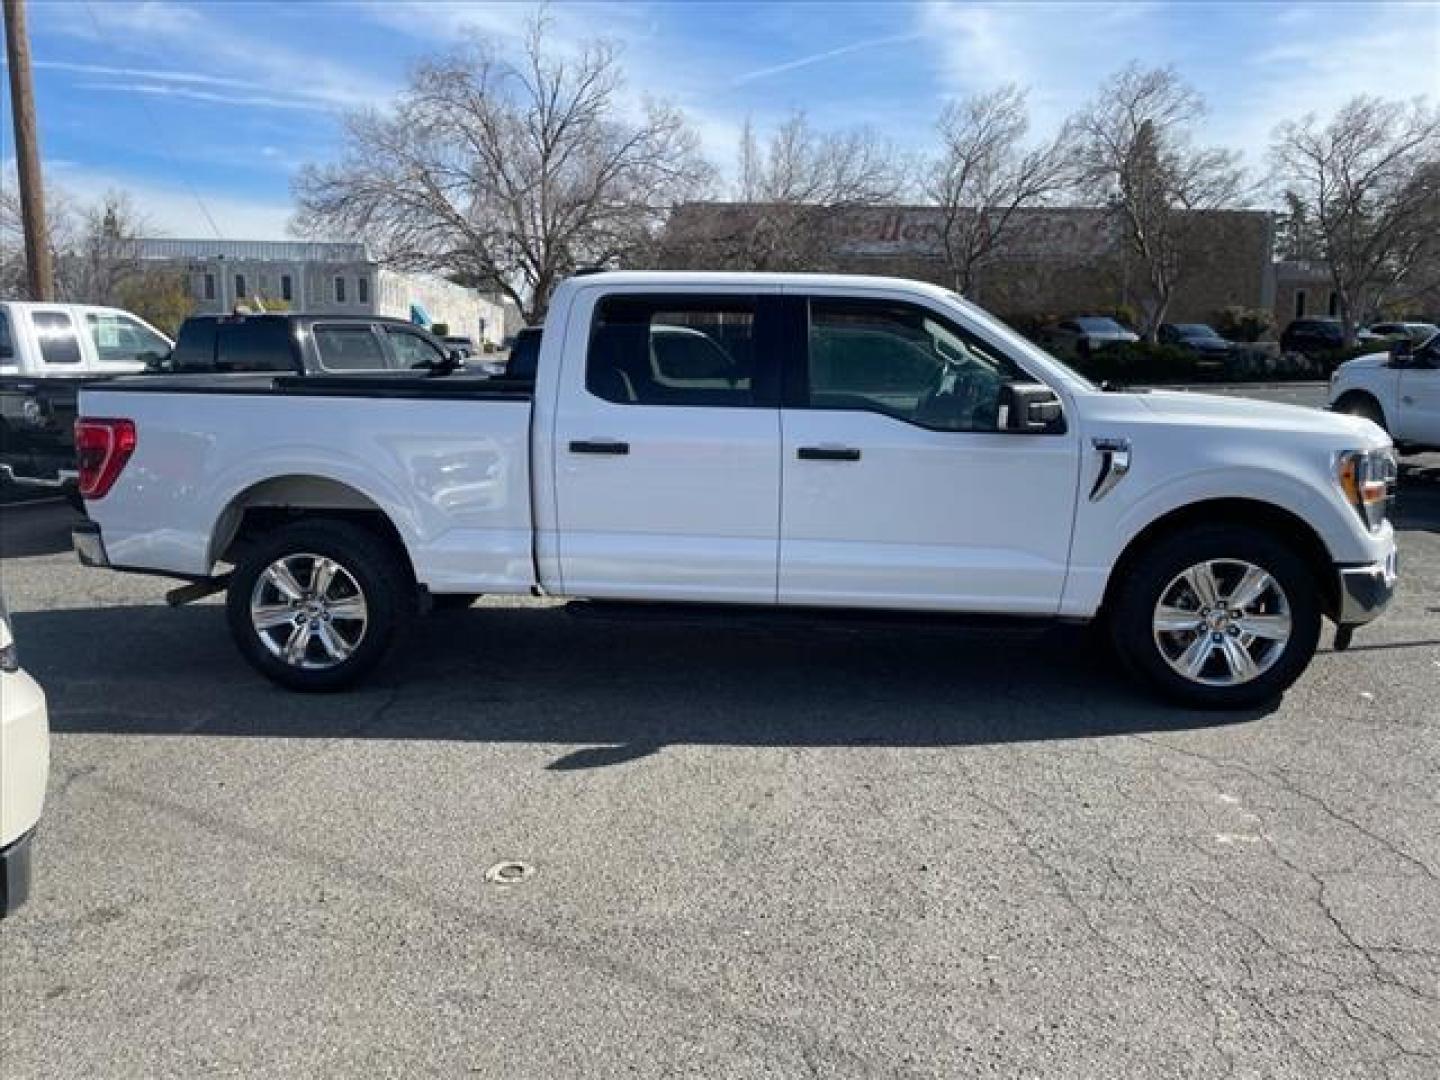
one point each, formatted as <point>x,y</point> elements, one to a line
<point>1227,661</point>
<point>343,589</point>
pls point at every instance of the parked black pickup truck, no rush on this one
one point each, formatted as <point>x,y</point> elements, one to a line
<point>37,439</point>
<point>305,345</point>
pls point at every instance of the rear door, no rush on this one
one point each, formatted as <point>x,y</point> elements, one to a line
<point>667,446</point>
<point>900,488</point>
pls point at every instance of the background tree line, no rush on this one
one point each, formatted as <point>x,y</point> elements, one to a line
<point>94,250</point>
<point>510,172</point>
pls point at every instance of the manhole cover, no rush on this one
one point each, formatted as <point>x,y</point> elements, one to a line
<point>509,873</point>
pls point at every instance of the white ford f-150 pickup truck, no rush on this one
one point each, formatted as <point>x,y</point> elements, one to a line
<point>1398,389</point>
<point>760,439</point>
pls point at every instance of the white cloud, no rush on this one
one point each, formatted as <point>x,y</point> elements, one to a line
<point>259,60</point>
<point>175,210</point>
<point>821,57</point>
<point>207,97</point>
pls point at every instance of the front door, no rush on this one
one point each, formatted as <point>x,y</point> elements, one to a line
<point>900,490</point>
<point>667,460</point>
<point>1418,413</point>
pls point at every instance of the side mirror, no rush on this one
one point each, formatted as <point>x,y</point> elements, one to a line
<point>1401,350</point>
<point>1030,408</point>
<point>155,361</point>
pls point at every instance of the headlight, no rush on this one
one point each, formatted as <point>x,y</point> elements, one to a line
<point>1367,477</point>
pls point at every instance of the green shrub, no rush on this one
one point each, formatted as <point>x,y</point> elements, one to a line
<point>1244,324</point>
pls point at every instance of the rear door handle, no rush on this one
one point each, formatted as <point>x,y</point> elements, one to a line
<point>599,446</point>
<point>828,453</point>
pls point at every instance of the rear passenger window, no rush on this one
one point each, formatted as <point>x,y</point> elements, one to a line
<point>58,344</point>
<point>7,344</point>
<point>349,348</point>
<point>688,351</point>
<point>254,345</point>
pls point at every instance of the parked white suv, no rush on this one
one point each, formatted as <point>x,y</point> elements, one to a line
<point>24,767</point>
<point>834,442</point>
<point>1399,390</point>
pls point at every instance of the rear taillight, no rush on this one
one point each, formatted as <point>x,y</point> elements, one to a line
<point>102,448</point>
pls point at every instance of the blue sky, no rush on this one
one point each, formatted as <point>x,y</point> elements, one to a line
<point>217,103</point>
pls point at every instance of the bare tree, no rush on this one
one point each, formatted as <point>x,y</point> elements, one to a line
<point>1134,152</point>
<point>59,231</point>
<point>985,177</point>
<point>795,193</point>
<point>1368,183</point>
<point>104,251</point>
<point>510,174</point>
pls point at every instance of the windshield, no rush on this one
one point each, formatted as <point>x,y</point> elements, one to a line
<point>1193,330</point>
<point>1099,325</point>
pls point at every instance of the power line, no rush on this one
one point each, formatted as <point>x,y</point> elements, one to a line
<point>159,142</point>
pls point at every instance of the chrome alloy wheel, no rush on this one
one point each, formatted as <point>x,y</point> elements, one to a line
<point>1222,622</point>
<point>309,611</point>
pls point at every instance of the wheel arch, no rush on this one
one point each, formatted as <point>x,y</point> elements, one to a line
<point>280,500</point>
<point>1246,513</point>
<point>1358,393</point>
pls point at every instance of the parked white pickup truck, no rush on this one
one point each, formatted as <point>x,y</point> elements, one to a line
<point>1398,389</point>
<point>762,439</point>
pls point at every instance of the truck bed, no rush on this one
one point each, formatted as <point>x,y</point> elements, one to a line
<point>445,459</point>
<point>381,384</point>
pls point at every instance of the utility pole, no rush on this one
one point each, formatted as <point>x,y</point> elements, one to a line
<point>27,153</point>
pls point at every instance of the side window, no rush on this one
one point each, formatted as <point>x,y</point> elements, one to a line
<point>254,345</point>
<point>362,290</point>
<point>411,350</point>
<point>7,343</point>
<point>119,339</point>
<point>209,286</point>
<point>903,361</point>
<point>349,348</point>
<point>339,290</point>
<point>58,343</point>
<point>195,346</point>
<point>684,351</point>
<point>240,291</point>
<point>287,289</point>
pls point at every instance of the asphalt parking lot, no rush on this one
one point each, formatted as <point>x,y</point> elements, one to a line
<point>757,850</point>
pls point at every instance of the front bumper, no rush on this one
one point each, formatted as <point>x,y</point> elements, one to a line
<point>1365,591</point>
<point>89,544</point>
<point>15,873</point>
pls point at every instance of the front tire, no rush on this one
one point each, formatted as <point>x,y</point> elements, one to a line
<point>1218,616</point>
<point>314,606</point>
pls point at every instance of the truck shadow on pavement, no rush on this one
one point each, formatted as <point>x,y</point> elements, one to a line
<point>1418,504</point>
<point>614,691</point>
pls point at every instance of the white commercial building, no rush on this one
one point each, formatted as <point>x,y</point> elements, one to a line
<point>322,277</point>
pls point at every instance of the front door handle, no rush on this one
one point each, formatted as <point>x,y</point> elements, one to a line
<point>1408,400</point>
<point>828,453</point>
<point>599,446</point>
